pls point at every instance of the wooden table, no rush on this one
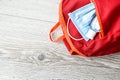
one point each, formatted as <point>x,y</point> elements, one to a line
<point>26,53</point>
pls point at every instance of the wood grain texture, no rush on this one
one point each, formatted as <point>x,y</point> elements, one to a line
<point>26,53</point>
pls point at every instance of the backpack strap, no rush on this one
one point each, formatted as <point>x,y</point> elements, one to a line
<point>51,33</point>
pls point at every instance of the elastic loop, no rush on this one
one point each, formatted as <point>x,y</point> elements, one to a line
<point>51,33</point>
<point>69,32</point>
<point>91,0</point>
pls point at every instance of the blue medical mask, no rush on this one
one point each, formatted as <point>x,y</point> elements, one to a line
<point>85,21</point>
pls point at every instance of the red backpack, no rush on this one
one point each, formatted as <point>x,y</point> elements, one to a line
<point>107,41</point>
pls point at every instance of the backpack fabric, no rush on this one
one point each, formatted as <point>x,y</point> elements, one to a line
<point>107,41</point>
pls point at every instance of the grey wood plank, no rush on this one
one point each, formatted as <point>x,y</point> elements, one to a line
<point>31,9</point>
<point>11,70</point>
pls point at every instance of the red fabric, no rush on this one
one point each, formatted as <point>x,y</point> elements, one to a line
<point>109,13</point>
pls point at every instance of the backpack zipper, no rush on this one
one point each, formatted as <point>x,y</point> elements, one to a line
<point>101,34</point>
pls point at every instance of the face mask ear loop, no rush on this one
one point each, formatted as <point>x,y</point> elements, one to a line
<point>69,32</point>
